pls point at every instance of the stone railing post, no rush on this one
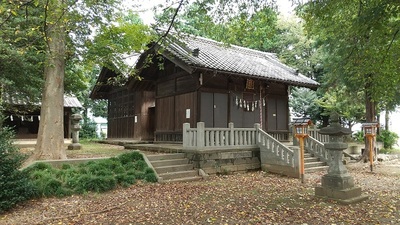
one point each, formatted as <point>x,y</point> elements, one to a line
<point>185,135</point>
<point>200,135</point>
<point>296,161</point>
<point>231,134</point>
<point>337,184</point>
<point>257,126</point>
<point>75,127</point>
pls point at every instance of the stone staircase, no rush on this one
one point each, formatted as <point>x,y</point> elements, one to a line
<point>173,167</point>
<point>313,164</point>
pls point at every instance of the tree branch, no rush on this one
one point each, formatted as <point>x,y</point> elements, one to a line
<point>391,42</point>
<point>170,24</point>
<point>45,24</point>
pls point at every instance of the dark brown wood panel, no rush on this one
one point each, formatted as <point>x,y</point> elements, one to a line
<point>185,103</point>
<point>207,109</point>
<point>165,114</point>
<point>271,114</point>
<point>186,83</point>
<point>214,109</point>
<point>277,89</point>
<point>282,114</point>
<point>236,113</point>
<point>220,110</point>
<point>211,80</point>
<point>277,113</point>
<point>166,88</point>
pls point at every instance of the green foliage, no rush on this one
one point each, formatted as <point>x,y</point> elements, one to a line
<point>88,130</point>
<point>150,177</point>
<point>388,138</point>
<point>359,136</point>
<point>253,26</point>
<point>303,102</point>
<point>360,39</point>
<point>94,176</point>
<point>297,50</point>
<point>348,104</point>
<point>131,157</point>
<point>15,186</point>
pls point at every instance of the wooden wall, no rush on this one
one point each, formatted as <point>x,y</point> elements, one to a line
<point>128,114</point>
<point>171,112</point>
<point>214,97</point>
<point>277,109</point>
<point>176,93</point>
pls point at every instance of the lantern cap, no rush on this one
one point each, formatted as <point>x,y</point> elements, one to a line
<point>372,124</point>
<point>335,129</point>
<point>302,122</point>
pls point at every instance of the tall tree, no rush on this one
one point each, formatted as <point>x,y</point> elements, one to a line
<point>250,24</point>
<point>362,39</point>
<point>66,28</point>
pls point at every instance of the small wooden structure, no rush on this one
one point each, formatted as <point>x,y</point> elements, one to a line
<point>23,115</point>
<point>194,80</point>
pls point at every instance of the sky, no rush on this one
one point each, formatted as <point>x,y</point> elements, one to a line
<point>284,7</point>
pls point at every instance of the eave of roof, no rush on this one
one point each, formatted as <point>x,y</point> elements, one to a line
<point>20,100</point>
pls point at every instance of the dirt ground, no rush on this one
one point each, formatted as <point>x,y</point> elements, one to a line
<point>249,198</point>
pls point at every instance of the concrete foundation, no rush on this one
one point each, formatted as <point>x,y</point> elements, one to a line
<point>226,160</point>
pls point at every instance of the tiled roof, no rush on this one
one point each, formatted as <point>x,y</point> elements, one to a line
<point>72,102</point>
<point>234,59</point>
<point>16,99</point>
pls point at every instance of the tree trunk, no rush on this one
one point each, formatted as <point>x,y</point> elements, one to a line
<point>370,115</point>
<point>387,117</point>
<point>50,140</point>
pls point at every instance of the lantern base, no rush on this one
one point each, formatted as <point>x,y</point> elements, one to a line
<point>345,196</point>
<point>74,146</point>
<point>337,182</point>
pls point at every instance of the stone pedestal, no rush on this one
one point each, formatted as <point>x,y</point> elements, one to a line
<point>75,127</point>
<point>338,184</point>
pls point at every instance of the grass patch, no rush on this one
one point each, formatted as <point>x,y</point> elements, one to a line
<point>93,176</point>
<point>389,151</point>
<point>91,149</point>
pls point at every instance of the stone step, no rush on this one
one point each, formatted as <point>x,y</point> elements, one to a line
<point>180,174</point>
<point>185,179</point>
<point>308,155</point>
<point>159,157</point>
<point>170,162</point>
<point>314,164</point>
<point>316,169</point>
<point>173,168</point>
<point>311,159</point>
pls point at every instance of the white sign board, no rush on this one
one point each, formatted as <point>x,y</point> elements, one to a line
<point>187,113</point>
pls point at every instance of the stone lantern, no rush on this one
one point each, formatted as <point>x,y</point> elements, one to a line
<point>75,127</point>
<point>337,184</point>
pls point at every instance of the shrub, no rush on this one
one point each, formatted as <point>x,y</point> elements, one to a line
<point>388,138</point>
<point>130,157</point>
<point>140,165</point>
<point>125,180</point>
<point>95,183</point>
<point>96,176</point>
<point>359,136</point>
<point>150,177</point>
<point>15,185</point>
